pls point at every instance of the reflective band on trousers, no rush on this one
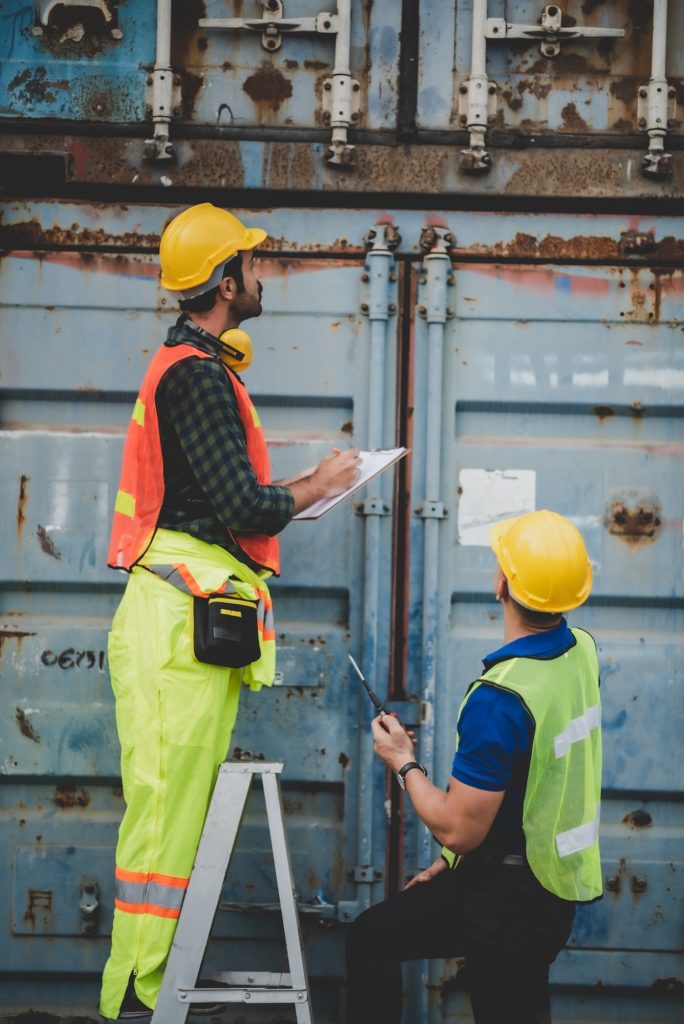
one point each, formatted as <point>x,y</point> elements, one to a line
<point>140,893</point>
<point>578,729</point>
<point>181,578</point>
<point>576,839</point>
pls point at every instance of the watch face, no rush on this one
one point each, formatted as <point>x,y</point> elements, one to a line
<point>400,780</point>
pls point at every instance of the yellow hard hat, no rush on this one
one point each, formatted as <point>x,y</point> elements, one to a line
<point>544,559</point>
<point>197,243</point>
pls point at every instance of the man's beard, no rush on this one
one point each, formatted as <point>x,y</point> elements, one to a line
<point>246,307</point>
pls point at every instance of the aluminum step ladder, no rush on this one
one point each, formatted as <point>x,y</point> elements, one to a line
<point>201,899</point>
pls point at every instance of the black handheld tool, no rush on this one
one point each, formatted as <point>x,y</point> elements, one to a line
<point>380,708</point>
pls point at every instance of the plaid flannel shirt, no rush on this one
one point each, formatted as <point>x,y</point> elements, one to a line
<point>210,485</point>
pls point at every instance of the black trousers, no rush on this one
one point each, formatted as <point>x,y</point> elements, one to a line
<point>508,928</point>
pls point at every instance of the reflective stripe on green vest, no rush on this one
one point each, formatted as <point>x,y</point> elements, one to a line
<point>563,792</point>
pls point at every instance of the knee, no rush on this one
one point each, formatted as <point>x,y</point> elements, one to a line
<point>367,932</point>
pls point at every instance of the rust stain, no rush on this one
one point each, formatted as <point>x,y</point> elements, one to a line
<point>343,759</point>
<point>636,525</point>
<point>26,728</point>
<point>67,796</point>
<point>668,985</point>
<point>32,233</point>
<point>77,30</point>
<point>39,906</point>
<point>37,89</point>
<point>268,87</point>
<point>539,87</point>
<point>190,87</point>
<point>572,121</point>
<point>47,544</point>
<point>21,505</point>
<point>625,88</point>
<point>570,64</point>
<point>603,411</point>
<point>638,819</point>
<point>347,428</point>
<point>315,65</point>
<point>12,634</point>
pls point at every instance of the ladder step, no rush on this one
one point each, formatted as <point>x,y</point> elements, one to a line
<point>247,994</point>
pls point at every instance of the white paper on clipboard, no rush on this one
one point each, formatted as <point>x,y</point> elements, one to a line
<point>372,463</point>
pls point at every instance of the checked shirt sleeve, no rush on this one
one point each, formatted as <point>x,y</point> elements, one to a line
<point>205,416</point>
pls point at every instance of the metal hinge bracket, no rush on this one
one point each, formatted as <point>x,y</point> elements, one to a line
<point>272,24</point>
<point>341,103</point>
<point>372,507</point>
<point>550,31</point>
<point>432,510</point>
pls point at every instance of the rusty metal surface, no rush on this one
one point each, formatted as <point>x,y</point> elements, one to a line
<point>298,168</point>
<point>590,87</point>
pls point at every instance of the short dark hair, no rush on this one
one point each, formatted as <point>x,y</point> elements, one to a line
<point>205,302</point>
<point>534,618</point>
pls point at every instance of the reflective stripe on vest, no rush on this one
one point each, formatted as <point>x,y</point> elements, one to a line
<point>561,807</point>
<point>140,893</point>
<point>141,489</point>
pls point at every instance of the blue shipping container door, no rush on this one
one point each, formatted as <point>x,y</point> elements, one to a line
<point>560,386</point>
<point>80,325</point>
<point>528,361</point>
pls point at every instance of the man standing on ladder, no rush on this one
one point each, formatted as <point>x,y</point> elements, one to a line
<point>195,524</point>
<point>519,822</point>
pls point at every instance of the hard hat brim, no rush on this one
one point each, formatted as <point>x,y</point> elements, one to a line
<point>497,532</point>
<point>254,237</point>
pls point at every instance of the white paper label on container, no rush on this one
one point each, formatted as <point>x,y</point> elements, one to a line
<point>489,495</point>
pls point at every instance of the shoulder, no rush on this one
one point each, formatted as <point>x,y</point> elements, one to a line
<point>493,710</point>
<point>194,375</point>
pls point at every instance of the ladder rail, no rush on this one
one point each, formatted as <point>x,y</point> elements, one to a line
<point>178,991</point>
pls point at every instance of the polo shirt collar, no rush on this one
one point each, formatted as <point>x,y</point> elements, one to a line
<point>546,645</point>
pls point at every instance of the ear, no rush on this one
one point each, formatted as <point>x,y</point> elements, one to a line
<point>227,288</point>
<point>500,586</point>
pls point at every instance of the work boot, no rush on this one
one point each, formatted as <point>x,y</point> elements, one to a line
<point>133,1008</point>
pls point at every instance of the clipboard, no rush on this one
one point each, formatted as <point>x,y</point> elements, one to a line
<point>373,463</point>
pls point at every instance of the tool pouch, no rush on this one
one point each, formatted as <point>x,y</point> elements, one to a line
<point>225,630</point>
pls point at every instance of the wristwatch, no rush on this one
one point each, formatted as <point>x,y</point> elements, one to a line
<point>400,776</point>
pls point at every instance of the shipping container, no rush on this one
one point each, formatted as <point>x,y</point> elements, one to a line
<point>475,250</point>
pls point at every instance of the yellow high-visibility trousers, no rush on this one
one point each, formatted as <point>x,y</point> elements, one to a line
<point>174,717</point>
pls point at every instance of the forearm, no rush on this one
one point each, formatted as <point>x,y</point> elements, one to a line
<point>433,808</point>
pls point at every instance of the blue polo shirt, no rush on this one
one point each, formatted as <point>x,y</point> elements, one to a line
<point>495,733</point>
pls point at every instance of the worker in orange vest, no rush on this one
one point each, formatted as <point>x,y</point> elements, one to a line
<point>195,524</point>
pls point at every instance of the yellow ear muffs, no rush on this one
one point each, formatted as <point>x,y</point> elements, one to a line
<point>236,349</point>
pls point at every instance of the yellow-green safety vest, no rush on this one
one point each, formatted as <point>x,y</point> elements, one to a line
<point>563,792</point>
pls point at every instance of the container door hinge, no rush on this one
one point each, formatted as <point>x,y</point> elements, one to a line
<point>432,510</point>
<point>656,114</point>
<point>162,104</point>
<point>89,905</point>
<point>272,24</point>
<point>550,31</point>
<point>372,507</point>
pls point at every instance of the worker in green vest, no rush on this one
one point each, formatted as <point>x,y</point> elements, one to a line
<point>519,822</point>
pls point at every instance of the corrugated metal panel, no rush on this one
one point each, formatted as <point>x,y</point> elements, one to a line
<point>81,325</point>
<point>563,388</point>
<point>561,364</point>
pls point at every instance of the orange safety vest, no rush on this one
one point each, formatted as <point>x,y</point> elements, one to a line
<point>141,489</point>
